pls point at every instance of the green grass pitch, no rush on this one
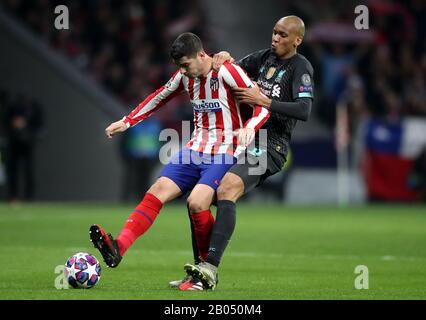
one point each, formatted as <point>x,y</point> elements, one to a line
<point>277,252</point>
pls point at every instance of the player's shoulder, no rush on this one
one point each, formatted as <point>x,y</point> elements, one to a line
<point>263,53</point>
<point>301,61</point>
<point>176,76</point>
<point>229,67</point>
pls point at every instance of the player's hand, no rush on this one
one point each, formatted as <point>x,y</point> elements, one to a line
<point>251,96</point>
<point>245,136</point>
<point>220,58</point>
<point>115,127</point>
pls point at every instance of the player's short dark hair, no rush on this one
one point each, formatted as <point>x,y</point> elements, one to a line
<point>186,44</point>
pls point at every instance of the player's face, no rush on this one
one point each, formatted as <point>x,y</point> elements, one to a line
<point>284,39</point>
<point>190,67</point>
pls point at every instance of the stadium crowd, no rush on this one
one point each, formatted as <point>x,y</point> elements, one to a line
<point>123,45</point>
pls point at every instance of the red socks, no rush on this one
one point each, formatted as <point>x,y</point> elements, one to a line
<point>139,221</point>
<point>203,222</point>
<point>144,215</point>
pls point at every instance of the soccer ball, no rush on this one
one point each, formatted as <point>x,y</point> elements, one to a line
<point>82,270</point>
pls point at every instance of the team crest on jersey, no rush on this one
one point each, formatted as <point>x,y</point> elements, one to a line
<point>214,84</point>
<point>270,72</point>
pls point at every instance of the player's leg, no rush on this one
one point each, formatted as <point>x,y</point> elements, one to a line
<point>202,221</point>
<point>213,168</point>
<point>145,213</point>
<point>199,202</point>
<point>175,179</point>
<point>233,185</point>
<point>139,221</point>
<point>176,283</point>
<point>197,259</point>
<point>231,188</point>
<point>203,195</point>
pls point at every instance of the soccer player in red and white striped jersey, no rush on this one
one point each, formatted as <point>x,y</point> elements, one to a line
<point>216,112</point>
<point>286,78</point>
<point>212,149</point>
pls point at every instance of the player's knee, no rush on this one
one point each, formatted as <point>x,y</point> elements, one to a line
<point>196,205</point>
<point>157,188</point>
<point>163,190</point>
<point>230,189</point>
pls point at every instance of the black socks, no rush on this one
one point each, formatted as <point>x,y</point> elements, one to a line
<point>222,230</point>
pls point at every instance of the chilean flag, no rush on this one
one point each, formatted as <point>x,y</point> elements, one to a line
<point>391,149</point>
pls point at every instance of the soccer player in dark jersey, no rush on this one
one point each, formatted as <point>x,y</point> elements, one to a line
<point>286,79</point>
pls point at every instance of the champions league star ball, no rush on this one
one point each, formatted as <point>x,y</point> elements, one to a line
<point>82,270</point>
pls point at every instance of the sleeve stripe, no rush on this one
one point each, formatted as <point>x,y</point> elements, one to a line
<point>156,100</point>
<point>260,115</point>
<point>238,75</point>
<point>305,95</point>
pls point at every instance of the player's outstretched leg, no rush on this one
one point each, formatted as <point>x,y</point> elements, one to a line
<point>106,245</point>
<point>141,219</point>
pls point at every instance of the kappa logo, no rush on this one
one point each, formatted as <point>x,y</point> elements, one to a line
<point>276,91</point>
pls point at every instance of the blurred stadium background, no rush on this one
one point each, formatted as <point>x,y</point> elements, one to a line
<point>364,143</point>
<point>116,52</point>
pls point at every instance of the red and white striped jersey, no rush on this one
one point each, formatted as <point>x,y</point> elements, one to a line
<point>216,112</point>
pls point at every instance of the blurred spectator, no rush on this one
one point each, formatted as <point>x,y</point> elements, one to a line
<point>335,63</point>
<point>23,125</point>
<point>123,45</point>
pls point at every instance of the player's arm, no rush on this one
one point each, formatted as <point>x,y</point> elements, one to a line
<point>147,107</point>
<point>302,90</point>
<point>248,131</point>
<point>303,94</point>
<point>220,58</point>
<point>235,77</point>
<point>250,63</point>
<point>300,109</point>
